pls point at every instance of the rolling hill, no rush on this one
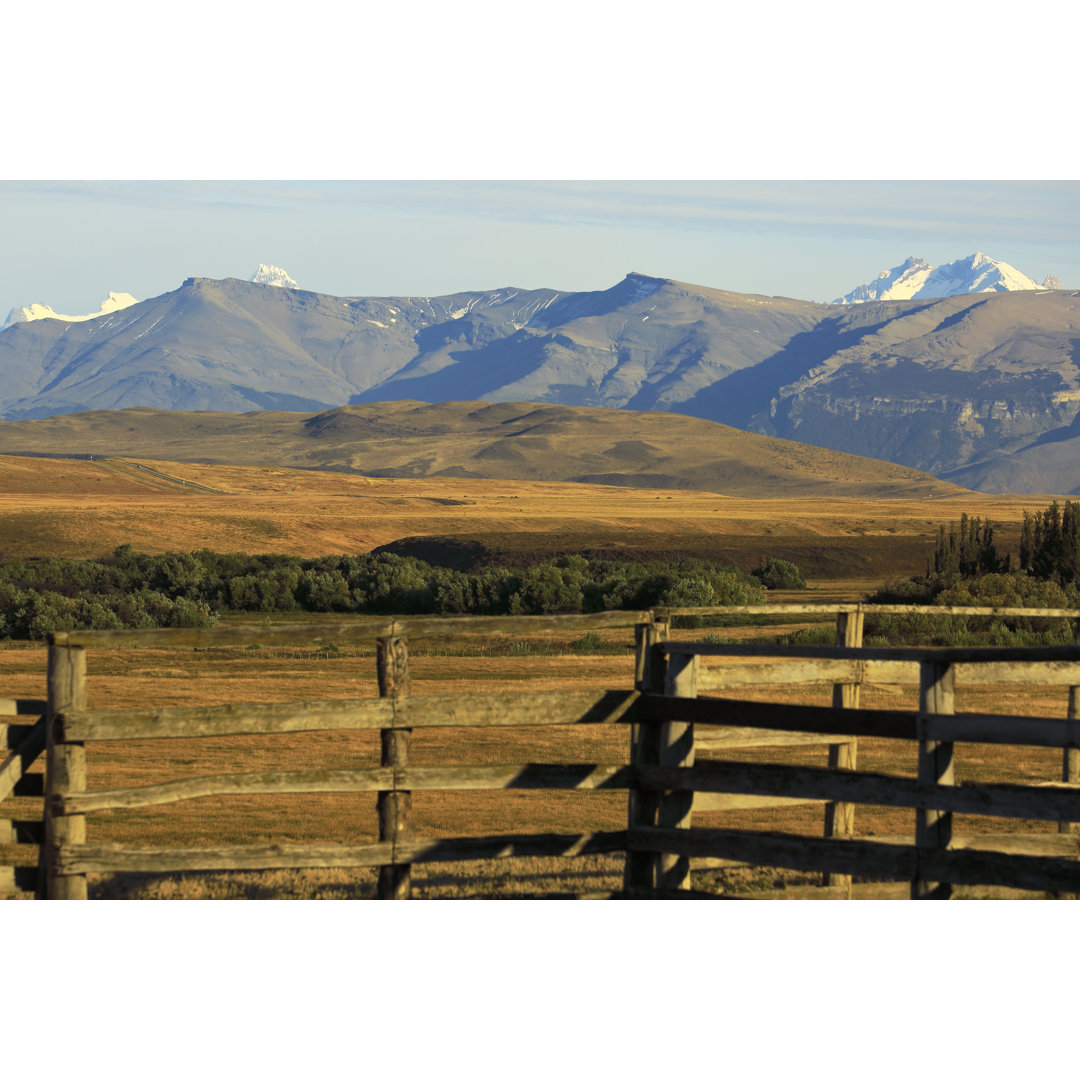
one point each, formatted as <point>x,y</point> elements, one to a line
<point>478,440</point>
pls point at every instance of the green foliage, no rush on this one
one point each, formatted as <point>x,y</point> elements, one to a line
<point>1050,543</point>
<point>779,574</point>
<point>967,553</point>
<point>134,590</point>
<point>966,571</point>
<point>588,642</point>
<point>810,635</point>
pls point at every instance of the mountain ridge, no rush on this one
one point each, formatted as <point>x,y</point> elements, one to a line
<point>916,279</point>
<point>939,385</point>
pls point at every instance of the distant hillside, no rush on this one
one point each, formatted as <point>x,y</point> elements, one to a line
<point>935,384</point>
<point>508,440</point>
<point>1050,464</point>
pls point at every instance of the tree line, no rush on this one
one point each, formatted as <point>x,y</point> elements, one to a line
<point>966,569</point>
<point>133,590</point>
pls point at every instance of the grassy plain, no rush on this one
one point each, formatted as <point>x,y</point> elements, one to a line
<point>79,508</point>
<point>85,508</point>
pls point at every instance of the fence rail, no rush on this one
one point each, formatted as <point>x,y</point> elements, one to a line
<point>668,724</point>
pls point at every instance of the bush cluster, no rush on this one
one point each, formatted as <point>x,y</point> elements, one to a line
<point>965,570</point>
<point>779,574</point>
<point>129,589</point>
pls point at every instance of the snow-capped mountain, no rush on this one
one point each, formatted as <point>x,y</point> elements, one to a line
<point>115,301</point>
<point>940,384</point>
<point>273,275</point>
<point>916,279</point>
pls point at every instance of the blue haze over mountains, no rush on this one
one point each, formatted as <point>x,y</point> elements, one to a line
<point>980,388</point>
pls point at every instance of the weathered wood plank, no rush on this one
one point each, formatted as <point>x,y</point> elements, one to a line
<point>15,765</point>
<point>1047,673</point>
<point>65,768</point>
<point>971,867</point>
<point>973,655</point>
<point>1023,801</point>
<point>799,672</point>
<point>715,800</point>
<point>105,858</point>
<point>360,628</point>
<point>526,777</point>
<point>880,609</point>
<point>729,712</point>
<point>732,738</point>
<point>883,672</point>
<point>990,728</point>
<point>436,710</point>
<point>368,628</point>
<point>879,723</point>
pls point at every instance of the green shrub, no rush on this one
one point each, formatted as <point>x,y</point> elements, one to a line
<point>588,642</point>
<point>779,574</point>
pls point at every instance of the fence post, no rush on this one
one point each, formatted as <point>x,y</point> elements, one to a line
<point>8,707</point>
<point>933,828</point>
<point>649,668</point>
<point>840,817</point>
<point>1070,759</point>
<point>677,749</point>
<point>65,768</point>
<point>394,807</point>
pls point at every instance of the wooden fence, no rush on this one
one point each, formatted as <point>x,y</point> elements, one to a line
<point>668,725</point>
<point>22,741</point>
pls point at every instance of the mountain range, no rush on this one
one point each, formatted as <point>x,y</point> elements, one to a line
<point>916,279</point>
<point>115,301</point>
<point>981,388</point>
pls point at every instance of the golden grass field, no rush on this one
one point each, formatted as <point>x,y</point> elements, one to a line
<point>84,508</point>
<point>80,509</point>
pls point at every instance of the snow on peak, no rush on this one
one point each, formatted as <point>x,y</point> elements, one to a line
<point>917,279</point>
<point>113,302</point>
<point>273,275</point>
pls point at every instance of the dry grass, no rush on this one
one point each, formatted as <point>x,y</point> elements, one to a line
<point>129,678</point>
<point>85,508</point>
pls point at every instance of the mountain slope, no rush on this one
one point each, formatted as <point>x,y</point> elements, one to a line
<point>472,440</point>
<point>935,384</point>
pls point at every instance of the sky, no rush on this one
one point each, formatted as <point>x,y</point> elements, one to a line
<point>797,151</point>
<point>67,244</point>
